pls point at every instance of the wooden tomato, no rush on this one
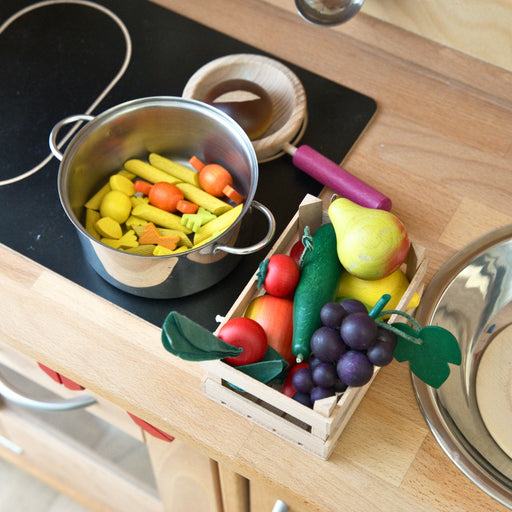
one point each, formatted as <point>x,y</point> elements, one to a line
<point>279,275</point>
<point>297,250</point>
<point>245,333</point>
<point>275,315</point>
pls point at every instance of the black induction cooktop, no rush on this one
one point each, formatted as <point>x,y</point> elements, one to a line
<point>63,58</point>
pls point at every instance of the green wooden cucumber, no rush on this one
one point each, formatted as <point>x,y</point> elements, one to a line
<point>319,278</point>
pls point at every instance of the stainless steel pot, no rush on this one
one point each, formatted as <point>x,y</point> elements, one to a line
<point>177,128</point>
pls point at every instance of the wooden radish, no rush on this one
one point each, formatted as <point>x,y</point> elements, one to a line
<point>216,180</point>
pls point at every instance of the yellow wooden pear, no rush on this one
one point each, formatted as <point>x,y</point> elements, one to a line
<point>371,243</point>
<point>370,291</point>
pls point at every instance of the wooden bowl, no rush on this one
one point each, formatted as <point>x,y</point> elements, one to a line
<point>289,109</point>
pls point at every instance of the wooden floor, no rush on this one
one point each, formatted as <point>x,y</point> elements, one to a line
<point>20,492</point>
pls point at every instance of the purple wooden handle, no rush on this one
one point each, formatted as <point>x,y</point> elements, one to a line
<point>340,181</point>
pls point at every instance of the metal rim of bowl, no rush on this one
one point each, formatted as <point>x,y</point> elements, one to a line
<point>458,449</point>
<point>320,13</point>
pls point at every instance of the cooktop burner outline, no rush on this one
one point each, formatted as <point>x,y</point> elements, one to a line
<point>96,102</point>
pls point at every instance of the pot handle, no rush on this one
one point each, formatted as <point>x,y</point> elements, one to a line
<point>262,243</point>
<point>52,140</point>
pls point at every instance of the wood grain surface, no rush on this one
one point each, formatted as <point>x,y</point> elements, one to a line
<point>481,29</point>
<point>440,146</point>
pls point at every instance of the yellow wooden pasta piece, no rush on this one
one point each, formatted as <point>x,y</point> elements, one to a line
<point>159,217</point>
<point>220,224</point>
<point>91,217</point>
<point>174,169</point>
<point>213,236</point>
<point>135,200</point>
<point>133,222</point>
<point>142,250</point>
<point>163,251</point>
<point>207,201</point>
<point>148,172</point>
<point>95,201</point>
<point>127,240</point>
<point>126,174</point>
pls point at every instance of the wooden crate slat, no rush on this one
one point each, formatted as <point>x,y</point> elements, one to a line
<point>281,426</point>
<point>268,395</point>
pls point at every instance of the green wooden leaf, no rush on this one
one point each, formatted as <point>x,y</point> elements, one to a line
<point>189,340</point>
<point>430,355</point>
<point>268,369</point>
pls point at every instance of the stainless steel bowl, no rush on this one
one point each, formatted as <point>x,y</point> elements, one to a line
<point>177,128</point>
<point>472,297</point>
<point>328,12</point>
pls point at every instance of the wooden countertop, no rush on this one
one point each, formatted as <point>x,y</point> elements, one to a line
<point>440,145</point>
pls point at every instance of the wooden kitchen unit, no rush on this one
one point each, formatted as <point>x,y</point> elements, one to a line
<point>440,145</point>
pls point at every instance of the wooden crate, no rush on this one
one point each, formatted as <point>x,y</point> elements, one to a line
<point>316,430</point>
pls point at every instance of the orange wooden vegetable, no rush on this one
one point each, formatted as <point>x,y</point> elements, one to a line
<point>151,235</point>
<point>216,180</point>
<point>142,186</point>
<point>185,206</point>
<point>165,196</point>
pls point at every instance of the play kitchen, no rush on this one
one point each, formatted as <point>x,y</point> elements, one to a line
<point>170,195</point>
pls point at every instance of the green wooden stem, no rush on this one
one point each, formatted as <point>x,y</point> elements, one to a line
<point>376,311</point>
<point>415,324</point>
<point>398,332</point>
<point>307,241</point>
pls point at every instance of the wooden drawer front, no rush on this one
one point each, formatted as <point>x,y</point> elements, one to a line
<point>104,409</point>
<point>73,469</point>
<point>263,498</point>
